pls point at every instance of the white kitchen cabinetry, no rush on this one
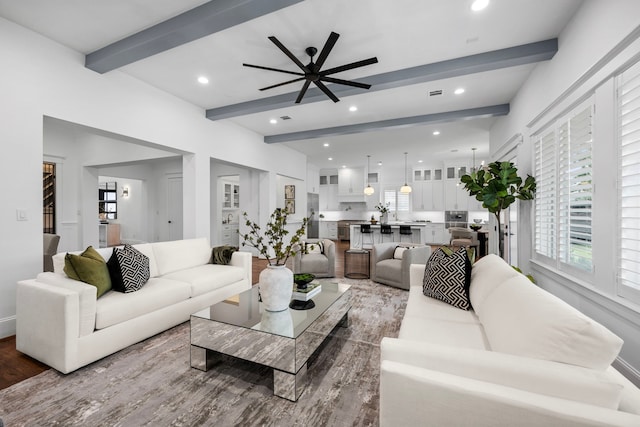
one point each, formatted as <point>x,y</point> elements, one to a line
<point>427,193</point>
<point>328,197</point>
<point>328,230</point>
<point>435,233</point>
<point>351,185</point>
<point>229,235</point>
<point>231,195</point>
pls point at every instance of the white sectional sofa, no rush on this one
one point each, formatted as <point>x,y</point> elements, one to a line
<point>61,323</point>
<point>522,357</point>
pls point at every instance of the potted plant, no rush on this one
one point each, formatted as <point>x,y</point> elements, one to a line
<point>497,186</point>
<point>276,281</point>
<point>384,212</point>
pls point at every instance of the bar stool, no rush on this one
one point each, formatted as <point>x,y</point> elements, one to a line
<point>365,229</point>
<point>405,230</point>
<point>385,229</point>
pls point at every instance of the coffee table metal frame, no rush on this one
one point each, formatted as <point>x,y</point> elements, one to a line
<point>242,329</point>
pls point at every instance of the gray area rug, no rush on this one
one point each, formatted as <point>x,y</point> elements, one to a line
<point>151,383</point>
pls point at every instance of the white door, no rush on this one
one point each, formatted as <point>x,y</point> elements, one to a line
<point>174,211</point>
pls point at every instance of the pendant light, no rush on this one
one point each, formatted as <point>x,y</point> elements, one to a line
<point>473,167</point>
<point>405,189</point>
<point>368,191</point>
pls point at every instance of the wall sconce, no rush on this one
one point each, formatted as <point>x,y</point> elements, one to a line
<point>125,192</point>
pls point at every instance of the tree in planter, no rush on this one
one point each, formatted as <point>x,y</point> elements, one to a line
<point>497,186</point>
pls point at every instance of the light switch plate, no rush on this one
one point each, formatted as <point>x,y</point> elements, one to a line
<point>21,215</point>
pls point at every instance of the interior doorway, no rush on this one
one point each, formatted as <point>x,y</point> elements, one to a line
<point>174,208</point>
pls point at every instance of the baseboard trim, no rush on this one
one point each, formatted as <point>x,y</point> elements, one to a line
<point>7,326</point>
<point>627,370</point>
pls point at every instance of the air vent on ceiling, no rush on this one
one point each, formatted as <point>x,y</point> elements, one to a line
<point>435,92</point>
<point>285,117</point>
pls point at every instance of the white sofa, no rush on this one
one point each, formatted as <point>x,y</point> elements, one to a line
<point>62,324</point>
<point>522,357</point>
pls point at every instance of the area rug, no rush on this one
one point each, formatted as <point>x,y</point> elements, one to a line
<point>151,383</point>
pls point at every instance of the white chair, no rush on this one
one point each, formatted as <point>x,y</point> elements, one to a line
<point>464,237</point>
<point>320,264</point>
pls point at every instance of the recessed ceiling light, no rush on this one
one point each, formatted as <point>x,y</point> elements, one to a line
<point>326,144</point>
<point>419,161</point>
<point>273,121</point>
<point>330,158</point>
<point>478,5</point>
<point>459,91</point>
<point>379,163</point>
<point>353,108</point>
<point>203,80</point>
<point>344,166</point>
<point>436,132</point>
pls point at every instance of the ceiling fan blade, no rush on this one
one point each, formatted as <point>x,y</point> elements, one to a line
<point>351,66</point>
<point>289,54</point>
<point>326,91</point>
<point>303,91</point>
<point>345,82</point>
<point>283,83</point>
<point>331,41</point>
<point>295,73</point>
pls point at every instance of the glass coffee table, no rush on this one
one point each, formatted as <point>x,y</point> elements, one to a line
<point>284,341</point>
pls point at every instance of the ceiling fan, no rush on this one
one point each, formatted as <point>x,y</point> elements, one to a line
<point>312,72</point>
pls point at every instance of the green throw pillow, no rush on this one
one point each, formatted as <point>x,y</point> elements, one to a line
<point>222,254</point>
<point>89,267</point>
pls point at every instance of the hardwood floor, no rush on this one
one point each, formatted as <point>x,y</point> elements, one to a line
<point>16,366</point>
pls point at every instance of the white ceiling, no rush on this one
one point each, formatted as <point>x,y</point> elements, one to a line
<point>401,34</point>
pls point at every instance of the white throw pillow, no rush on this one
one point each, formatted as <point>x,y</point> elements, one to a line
<point>314,247</point>
<point>520,318</point>
<point>399,252</point>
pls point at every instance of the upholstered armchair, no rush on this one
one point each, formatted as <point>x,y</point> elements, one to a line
<point>50,243</point>
<point>392,267</point>
<point>320,261</point>
<point>464,237</point>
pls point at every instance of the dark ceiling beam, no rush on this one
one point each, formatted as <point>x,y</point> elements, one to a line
<point>204,20</point>
<point>494,60</point>
<point>449,116</point>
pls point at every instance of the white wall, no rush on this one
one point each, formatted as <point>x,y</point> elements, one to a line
<point>601,38</point>
<point>41,78</point>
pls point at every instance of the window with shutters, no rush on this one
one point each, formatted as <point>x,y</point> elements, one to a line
<point>398,202</point>
<point>563,204</point>
<point>628,106</point>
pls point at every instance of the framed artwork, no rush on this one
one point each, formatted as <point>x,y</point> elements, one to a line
<point>290,206</point>
<point>289,192</point>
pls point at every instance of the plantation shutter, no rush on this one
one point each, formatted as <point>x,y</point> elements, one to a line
<point>575,189</point>
<point>390,198</point>
<point>629,178</point>
<point>403,202</point>
<point>545,201</point>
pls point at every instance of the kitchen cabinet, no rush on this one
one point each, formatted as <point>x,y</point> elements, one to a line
<point>456,197</point>
<point>435,233</point>
<point>231,196</point>
<point>427,194</point>
<point>229,235</point>
<point>351,185</point>
<point>328,198</point>
<point>328,230</point>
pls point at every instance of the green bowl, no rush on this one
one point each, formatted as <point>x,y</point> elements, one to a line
<point>303,279</point>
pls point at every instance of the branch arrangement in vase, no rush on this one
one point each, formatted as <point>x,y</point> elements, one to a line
<point>271,244</point>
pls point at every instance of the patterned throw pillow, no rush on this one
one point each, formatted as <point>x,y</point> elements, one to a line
<point>314,248</point>
<point>447,277</point>
<point>129,269</point>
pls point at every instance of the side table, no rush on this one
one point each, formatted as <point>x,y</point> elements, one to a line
<point>356,264</point>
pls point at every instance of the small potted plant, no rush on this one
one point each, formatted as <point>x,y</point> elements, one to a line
<point>384,212</point>
<point>276,281</point>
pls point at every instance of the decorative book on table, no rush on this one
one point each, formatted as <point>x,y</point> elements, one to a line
<point>312,290</point>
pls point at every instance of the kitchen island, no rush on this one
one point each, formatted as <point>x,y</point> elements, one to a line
<point>423,233</point>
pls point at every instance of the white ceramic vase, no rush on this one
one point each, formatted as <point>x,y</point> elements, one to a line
<point>384,218</point>
<point>276,287</point>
